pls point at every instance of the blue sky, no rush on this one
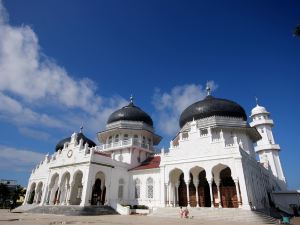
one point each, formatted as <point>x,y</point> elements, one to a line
<point>63,63</point>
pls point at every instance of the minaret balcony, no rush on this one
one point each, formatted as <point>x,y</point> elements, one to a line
<point>125,144</point>
<point>261,122</point>
<point>267,147</point>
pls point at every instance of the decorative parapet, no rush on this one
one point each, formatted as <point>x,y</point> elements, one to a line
<point>124,144</point>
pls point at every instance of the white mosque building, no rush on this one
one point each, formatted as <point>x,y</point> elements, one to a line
<point>217,160</point>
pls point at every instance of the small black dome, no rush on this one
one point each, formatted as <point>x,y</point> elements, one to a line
<point>60,144</point>
<point>211,106</point>
<point>131,113</point>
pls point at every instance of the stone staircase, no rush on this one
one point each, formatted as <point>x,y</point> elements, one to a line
<point>24,208</point>
<point>216,214</point>
<point>72,210</point>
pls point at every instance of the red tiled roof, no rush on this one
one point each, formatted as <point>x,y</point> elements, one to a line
<point>150,163</point>
<point>103,154</point>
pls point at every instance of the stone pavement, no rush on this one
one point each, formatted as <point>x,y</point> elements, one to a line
<point>7,218</point>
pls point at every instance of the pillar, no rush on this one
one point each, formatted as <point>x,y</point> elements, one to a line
<point>236,182</point>
<point>196,183</point>
<point>219,194</point>
<point>188,192</point>
<point>165,203</point>
<point>169,194</point>
<point>58,197</point>
<point>210,192</point>
<point>35,194</point>
<point>177,197</point>
<point>86,186</point>
<point>48,196</point>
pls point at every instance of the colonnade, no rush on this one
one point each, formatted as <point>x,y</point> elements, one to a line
<point>199,190</point>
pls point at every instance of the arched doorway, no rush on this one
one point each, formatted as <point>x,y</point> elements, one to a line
<point>65,188</point>
<point>53,190</point>
<point>77,187</point>
<point>192,192</point>
<point>203,190</point>
<point>176,191</point>
<point>97,193</point>
<point>39,192</point>
<point>228,190</point>
<point>182,192</point>
<point>99,190</point>
<point>31,193</point>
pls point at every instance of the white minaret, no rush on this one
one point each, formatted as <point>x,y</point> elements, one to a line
<point>267,149</point>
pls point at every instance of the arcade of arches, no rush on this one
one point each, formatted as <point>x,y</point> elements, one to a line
<point>221,191</point>
<point>67,190</point>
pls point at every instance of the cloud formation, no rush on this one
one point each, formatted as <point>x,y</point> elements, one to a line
<point>18,159</point>
<point>170,105</point>
<point>31,83</point>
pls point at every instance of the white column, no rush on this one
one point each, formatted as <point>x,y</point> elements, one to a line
<point>219,194</point>
<point>86,189</point>
<point>35,194</point>
<point>236,182</point>
<point>27,194</point>
<point>66,194</point>
<point>188,193</point>
<point>48,196</point>
<point>174,195</point>
<point>70,193</point>
<point>242,183</point>
<point>196,183</point>
<point>211,193</point>
<point>58,197</point>
<point>165,198</point>
<point>44,195</point>
<point>169,194</point>
<point>177,197</point>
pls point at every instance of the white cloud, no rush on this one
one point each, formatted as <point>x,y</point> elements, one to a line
<point>18,159</point>
<point>13,111</point>
<point>169,106</point>
<point>35,134</point>
<point>25,73</point>
<point>31,83</point>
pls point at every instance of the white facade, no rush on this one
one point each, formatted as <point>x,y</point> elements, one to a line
<point>210,163</point>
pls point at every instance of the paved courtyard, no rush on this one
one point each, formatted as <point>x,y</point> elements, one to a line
<point>7,218</point>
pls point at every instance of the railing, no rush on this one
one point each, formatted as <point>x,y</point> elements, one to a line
<point>124,143</point>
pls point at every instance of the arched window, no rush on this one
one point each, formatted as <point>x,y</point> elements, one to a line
<point>117,138</point>
<point>125,138</point>
<point>137,189</point>
<point>110,140</point>
<point>121,189</point>
<point>144,140</point>
<point>135,139</point>
<point>149,187</point>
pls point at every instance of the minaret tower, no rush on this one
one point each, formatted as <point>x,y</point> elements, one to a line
<point>267,149</point>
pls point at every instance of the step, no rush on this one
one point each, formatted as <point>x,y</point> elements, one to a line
<point>214,214</point>
<point>73,210</point>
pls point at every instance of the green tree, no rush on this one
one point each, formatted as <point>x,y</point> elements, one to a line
<point>4,194</point>
<point>17,193</point>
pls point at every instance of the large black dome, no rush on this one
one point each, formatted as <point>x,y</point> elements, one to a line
<point>131,113</point>
<point>60,144</point>
<point>211,106</point>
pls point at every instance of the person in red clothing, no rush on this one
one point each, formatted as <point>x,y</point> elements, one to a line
<point>186,213</point>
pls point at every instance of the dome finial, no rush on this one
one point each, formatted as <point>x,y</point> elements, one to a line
<point>256,100</point>
<point>131,99</point>
<point>208,90</point>
<point>81,128</point>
